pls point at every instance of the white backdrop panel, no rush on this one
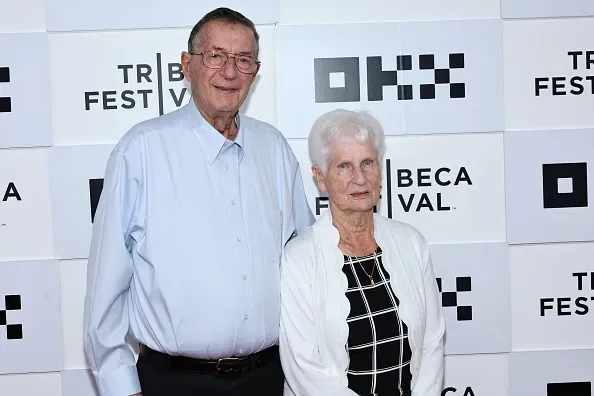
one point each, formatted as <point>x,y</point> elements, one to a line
<point>467,375</point>
<point>451,196</point>
<point>341,11</point>
<point>78,383</point>
<point>25,206</point>
<point>22,16</point>
<point>552,293</point>
<point>552,373</point>
<point>73,282</point>
<point>549,73</point>
<point>63,15</point>
<point>549,198</point>
<point>31,384</point>
<point>32,339</point>
<point>114,87</point>
<point>545,8</point>
<point>323,67</point>
<point>25,113</point>
<point>474,280</point>
<point>75,171</point>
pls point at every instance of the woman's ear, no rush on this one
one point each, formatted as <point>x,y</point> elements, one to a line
<point>319,176</point>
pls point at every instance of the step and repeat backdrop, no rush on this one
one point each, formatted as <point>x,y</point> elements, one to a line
<point>489,110</point>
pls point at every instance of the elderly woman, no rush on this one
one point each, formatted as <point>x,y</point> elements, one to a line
<point>360,310</point>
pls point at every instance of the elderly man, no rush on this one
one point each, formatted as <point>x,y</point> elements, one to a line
<point>196,208</point>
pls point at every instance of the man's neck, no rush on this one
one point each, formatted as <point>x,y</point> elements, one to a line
<point>224,123</point>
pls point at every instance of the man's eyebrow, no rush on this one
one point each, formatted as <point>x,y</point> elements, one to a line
<point>250,53</point>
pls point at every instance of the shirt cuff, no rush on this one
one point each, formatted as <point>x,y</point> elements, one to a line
<point>122,381</point>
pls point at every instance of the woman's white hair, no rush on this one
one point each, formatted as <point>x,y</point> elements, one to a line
<point>343,124</point>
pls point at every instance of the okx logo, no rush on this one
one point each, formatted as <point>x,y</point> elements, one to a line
<point>147,87</point>
<point>5,102</point>
<point>450,298</point>
<point>569,389</point>
<point>13,331</point>
<point>95,188</point>
<point>339,80</point>
<point>565,185</point>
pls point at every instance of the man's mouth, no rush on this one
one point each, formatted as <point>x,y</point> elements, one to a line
<point>226,89</point>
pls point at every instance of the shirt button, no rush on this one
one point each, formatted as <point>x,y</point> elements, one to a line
<point>226,166</point>
<point>238,239</point>
<point>245,317</point>
<point>241,350</point>
<point>233,202</point>
<point>244,277</point>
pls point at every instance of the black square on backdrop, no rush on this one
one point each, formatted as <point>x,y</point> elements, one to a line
<point>457,90</point>
<point>405,92</point>
<point>427,91</point>
<point>12,302</point>
<point>464,313</point>
<point>2,318</point>
<point>442,76</point>
<point>456,61</point>
<point>569,389</point>
<point>4,74</point>
<point>5,105</point>
<point>404,62</point>
<point>577,172</point>
<point>14,332</point>
<point>463,283</point>
<point>426,61</point>
<point>449,299</point>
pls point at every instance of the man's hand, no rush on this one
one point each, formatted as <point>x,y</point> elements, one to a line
<point>137,394</point>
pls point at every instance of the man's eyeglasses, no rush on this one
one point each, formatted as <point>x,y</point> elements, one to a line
<point>216,60</point>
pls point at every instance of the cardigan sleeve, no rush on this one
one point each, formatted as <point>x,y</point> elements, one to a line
<point>305,375</point>
<point>431,372</point>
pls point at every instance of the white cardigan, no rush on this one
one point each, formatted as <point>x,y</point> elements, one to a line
<point>314,308</point>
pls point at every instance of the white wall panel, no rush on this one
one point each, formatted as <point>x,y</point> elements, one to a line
<point>474,284</point>
<point>552,373</point>
<point>31,340</point>
<point>68,15</point>
<point>549,198</point>
<point>73,286</point>
<point>25,205</point>
<point>546,8</point>
<point>31,384</point>
<point>77,181</point>
<point>22,16</point>
<point>549,73</point>
<point>552,293</point>
<point>337,11</point>
<point>466,375</point>
<point>25,114</point>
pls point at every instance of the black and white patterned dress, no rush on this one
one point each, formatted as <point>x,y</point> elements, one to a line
<point>378,348</point>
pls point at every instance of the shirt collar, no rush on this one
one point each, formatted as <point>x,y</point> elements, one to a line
<point>211,140</point>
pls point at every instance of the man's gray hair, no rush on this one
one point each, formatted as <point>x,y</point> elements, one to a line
<point>343,124</point>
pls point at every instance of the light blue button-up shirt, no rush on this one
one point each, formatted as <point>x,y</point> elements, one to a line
<point>186,243</point>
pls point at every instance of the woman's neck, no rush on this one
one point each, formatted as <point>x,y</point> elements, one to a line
<point>356,232</point>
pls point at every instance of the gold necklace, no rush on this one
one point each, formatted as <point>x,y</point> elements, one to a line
<point>361,265</point>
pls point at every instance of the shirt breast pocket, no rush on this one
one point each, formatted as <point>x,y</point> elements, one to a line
<point>269,232</point>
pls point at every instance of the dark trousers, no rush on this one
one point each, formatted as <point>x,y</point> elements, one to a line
<point>158,379</point>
